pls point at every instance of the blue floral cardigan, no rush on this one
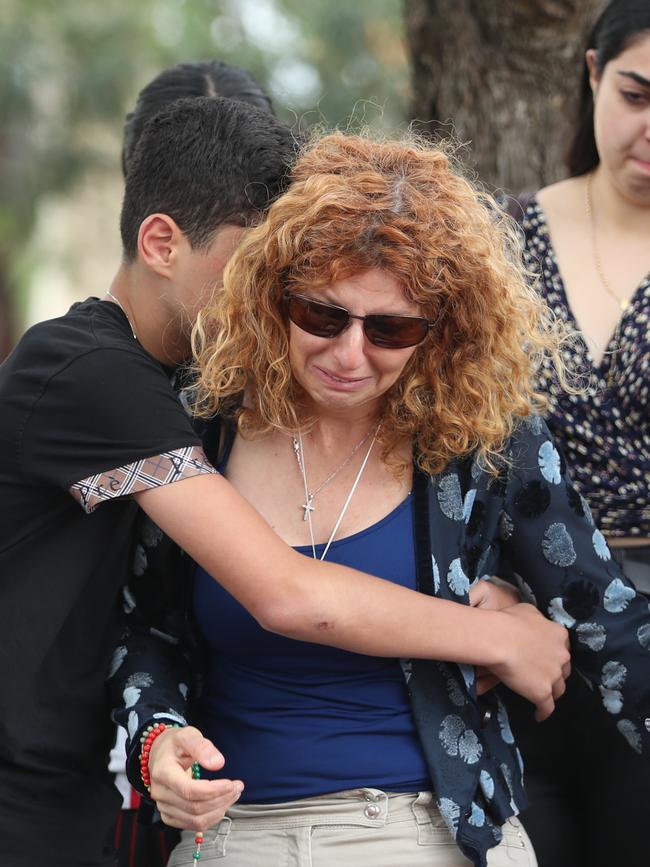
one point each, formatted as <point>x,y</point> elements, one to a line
<point>468,524</point>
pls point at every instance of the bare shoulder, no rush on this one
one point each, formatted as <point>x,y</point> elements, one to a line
<point>564,200</point>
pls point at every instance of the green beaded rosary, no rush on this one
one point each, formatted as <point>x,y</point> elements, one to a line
<point>198,839</point>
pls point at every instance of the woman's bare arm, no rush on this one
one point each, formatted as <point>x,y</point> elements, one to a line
<point>329,604</point>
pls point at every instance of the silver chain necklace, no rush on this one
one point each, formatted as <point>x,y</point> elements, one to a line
<point>309,509</point>
<point>308,506</point>
<point>119,304</point>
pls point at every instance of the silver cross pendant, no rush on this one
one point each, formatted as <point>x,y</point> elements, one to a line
<point>307,507</point>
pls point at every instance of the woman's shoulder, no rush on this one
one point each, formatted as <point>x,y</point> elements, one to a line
<point>523,451</point>
<point>563,200</point>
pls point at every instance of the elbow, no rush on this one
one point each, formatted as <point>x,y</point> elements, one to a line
<point>297,603</point>
<point>279,616</point>
<point>294,616</point>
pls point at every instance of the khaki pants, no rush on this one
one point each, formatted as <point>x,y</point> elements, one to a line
<point>347,829</point>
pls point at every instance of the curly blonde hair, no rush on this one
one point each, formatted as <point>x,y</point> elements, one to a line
<point>355,204</point>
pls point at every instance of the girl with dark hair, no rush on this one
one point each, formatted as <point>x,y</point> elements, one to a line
<point>586,238</point>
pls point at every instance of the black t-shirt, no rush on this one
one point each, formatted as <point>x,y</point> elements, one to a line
<point>82,408</point>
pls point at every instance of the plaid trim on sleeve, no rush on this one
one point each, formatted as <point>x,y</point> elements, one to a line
<point>162,469</point>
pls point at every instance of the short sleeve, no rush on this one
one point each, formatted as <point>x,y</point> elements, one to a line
<point>108,410</point>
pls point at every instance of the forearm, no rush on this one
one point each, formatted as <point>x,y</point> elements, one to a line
<point>348,609</point>
<point>149,681</point>
<point>312,601</point>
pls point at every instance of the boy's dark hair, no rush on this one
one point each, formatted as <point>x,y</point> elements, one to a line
<point>201,78</point>
<point>205,162</point>
<point>620,24</point>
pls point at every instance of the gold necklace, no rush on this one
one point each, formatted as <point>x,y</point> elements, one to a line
<point>623,303</point>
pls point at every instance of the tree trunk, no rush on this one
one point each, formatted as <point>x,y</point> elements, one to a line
<point>502,75</point>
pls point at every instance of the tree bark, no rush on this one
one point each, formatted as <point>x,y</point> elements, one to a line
<point>503,77</point>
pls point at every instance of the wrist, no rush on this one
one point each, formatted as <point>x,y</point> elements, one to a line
<point>512,634</point>
<point>147,740</point>
<point>500,641</point>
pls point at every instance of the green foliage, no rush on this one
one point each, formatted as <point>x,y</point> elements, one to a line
<point>358,50</point>
<point>70,69</point>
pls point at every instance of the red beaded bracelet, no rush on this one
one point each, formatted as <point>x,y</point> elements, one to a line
<point>148,737</point>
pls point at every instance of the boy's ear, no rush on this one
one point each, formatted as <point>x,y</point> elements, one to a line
<point>159,239</point>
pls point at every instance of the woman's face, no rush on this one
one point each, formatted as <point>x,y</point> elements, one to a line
<point>346,374</point>
<point>622,118</point>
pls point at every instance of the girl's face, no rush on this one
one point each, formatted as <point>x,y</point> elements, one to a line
<point>622,118</point>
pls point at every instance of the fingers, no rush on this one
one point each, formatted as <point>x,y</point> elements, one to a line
<point>182,801</point>
<point>202,804</point>
<point>544,709</point>
<point>176,749</point>
<point>171,781</point>
<point>485,683</point>
<point>559,688</point>
<point>190,741</point>
<point>485,679</point>
<point>487,594</point>
<point>540,660</point>
<point>478,594</point>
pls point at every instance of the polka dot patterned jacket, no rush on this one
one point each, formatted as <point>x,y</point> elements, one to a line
<point>467,524</point>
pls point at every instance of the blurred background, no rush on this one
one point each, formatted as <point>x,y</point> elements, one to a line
<point>495,73</point>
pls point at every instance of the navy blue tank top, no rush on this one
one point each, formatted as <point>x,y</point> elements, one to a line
<point>295,719</point>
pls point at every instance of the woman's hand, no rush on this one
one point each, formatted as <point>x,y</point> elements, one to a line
<point>536,658</point>
<point>182,801</point>
<point>493,595</point>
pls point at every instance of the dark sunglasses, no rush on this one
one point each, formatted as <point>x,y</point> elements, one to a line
<point>382,329</point>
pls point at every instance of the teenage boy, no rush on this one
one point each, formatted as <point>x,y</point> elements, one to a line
<point>89,418</point>
<point>138,844</point>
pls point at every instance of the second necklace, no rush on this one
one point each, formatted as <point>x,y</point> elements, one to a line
<point>308,505</point>
<point>300,457</point>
